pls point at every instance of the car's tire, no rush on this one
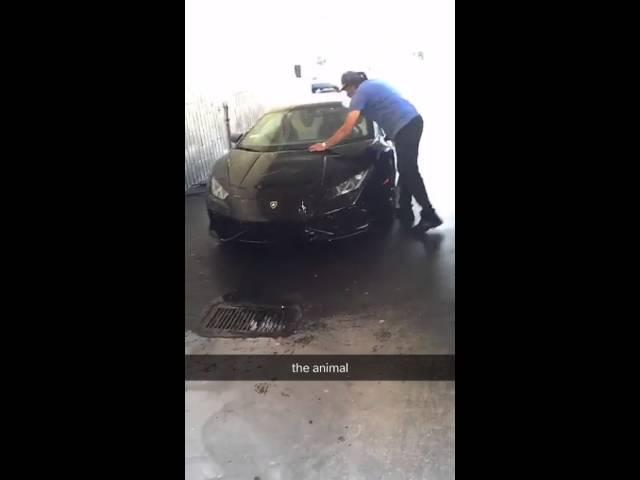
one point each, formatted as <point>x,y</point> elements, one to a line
<point>384,213</point>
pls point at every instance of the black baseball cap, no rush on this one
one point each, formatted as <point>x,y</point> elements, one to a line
<point>352,78</point>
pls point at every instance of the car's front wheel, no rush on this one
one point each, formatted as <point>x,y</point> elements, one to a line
<point>384,212</point>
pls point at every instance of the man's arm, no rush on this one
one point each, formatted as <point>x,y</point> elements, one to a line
<point>343,132</point>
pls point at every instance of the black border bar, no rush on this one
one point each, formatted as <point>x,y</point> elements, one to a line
<point>319,367</point>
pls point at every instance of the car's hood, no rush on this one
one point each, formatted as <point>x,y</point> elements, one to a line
<point>299,170</point>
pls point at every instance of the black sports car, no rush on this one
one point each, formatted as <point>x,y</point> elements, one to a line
<point>269,187</point>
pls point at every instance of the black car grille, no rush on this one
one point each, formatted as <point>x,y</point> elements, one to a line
<point>341,223</point>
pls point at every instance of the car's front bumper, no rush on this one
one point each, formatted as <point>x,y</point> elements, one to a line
<point>336,225</point>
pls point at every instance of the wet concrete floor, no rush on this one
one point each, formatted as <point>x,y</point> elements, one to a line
<point>378,294</point>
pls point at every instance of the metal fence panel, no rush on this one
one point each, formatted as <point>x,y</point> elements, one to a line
<point>205,137</point>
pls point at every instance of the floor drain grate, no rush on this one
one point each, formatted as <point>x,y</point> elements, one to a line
<point>228,320</point>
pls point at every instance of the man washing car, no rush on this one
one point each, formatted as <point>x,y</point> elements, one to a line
<point>401,121</point>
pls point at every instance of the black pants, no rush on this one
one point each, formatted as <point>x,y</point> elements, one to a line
<point>407,141</point>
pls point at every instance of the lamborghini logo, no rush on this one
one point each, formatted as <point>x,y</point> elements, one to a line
<point>273,204</point>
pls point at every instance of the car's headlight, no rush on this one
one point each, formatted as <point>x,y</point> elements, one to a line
<point>217,190</point>
<point>350,185</point>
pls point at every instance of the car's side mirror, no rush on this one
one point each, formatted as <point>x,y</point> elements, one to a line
<point>235,137</point>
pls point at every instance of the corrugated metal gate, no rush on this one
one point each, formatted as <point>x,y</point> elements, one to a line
<point>205,136</point>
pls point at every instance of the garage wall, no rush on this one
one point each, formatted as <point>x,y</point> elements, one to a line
<point>205,136</point>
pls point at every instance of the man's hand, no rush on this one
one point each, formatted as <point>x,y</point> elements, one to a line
<point>318,147</point>
<point>343,132</point>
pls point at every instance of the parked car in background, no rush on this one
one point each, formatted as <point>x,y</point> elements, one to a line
<point>324,88</point>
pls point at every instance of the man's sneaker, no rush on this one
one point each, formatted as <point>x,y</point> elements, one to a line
<point>428,221</point>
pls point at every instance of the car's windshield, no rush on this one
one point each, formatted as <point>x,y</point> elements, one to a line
<point>301,127</point>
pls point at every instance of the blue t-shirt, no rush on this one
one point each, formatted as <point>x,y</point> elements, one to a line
<point>380,103</point>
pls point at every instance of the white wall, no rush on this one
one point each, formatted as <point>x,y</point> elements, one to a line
<point>249,48</point>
